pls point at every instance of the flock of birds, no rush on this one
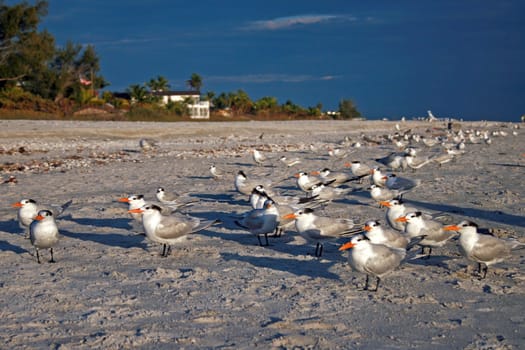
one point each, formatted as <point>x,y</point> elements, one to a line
<point>376,249</point>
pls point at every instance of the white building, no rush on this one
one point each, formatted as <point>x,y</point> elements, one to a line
<point>198,109</point>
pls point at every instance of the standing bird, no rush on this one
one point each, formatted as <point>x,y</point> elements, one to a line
<point>484,249</point>
<point>261,221</point>
<point>378,234</point>
<point>305,181</point>
<point>258,157</point>
<point>168,230</point>
<point>373,259</point>
<point>381,194</point>
<point>395,209</point>
<point>148,145</point>
<point>359,169</point>
<point>289,162</point>
<point>433,232</point>
<point>402,184</point>
<point>43,233</point>
<point>319,229</point>
<point>216,172</point>
<point>28,210</point>
<point>334,178</point>
<point>173,199</point>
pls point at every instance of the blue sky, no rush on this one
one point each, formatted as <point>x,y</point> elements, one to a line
<point>463,59</point>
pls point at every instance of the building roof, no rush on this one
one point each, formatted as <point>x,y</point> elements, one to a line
<point>177,93</point>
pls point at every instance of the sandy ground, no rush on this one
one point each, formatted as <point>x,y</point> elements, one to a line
<point>111,289</point>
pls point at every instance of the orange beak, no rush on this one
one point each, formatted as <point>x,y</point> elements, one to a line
<point>384,178</point>
<point>372,171</point>
<point>39,217</point>
<point>348,165</point>
<point>296,175</point>
<point>290,216</point>
<point>402,219</point>
<point>136,211</point>
<point>123,199</point>
<point>385,204</point>
<point>17,205</point>
<point>451,228</point>
<point>315,173</point>
<point>346,246</point>
<point>367,228</point>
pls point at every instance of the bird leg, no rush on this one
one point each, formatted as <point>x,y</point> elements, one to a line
<point>485,269</point>
<point>52,259</point>
<point>366,283</point>
<point>318,250</point>
<point>37,256</point>
<point>377,285</point>
<point>266,238</point>
<point>166,249</point>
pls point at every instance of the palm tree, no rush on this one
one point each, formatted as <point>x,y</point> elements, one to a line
<point>195,82</point>
<point>159,84</point>
<point>138,93</point>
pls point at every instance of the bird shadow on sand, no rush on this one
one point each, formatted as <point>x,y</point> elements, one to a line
<point>484,214</point>
<point>8,247</point>
<point>109,239</point>
<point>511,165</point>
<point>122,223</point>
<point>222,198</point>
<point>11,226</point>
<point>310,268</point>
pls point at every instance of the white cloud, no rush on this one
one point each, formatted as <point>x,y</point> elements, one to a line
<point>269,78</point>
<point>287,22</point>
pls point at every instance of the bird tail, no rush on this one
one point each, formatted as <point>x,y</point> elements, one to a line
<point>205,224</point>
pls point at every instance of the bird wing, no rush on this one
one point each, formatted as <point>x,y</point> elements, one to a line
<point>171,227</point>
<point>384,260</point>
<point>489,248</point>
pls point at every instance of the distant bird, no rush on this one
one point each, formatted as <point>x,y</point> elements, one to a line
<point>43,233</point>
<point>289,162</point>
<point>168,230</point>
<point>261,221</point>
<point>338,153</point>
<point>216,172</point>
<point>244,185</point>
<point>320,229</point>
<point>258,157</point>
<point>28,210</point>
<point>484,249</point>
<point>394,161</point>
<point>334,178</point>
<point>148,145</point>
<point>305,181</point>
<point>401,184</point>
<point>173,199</point>
<point>358,169</point>
<point>381,194</point>
<point>373,259</point>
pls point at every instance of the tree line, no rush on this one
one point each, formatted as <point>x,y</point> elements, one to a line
<point>36,74</point>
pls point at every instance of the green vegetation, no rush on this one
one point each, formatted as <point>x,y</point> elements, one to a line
<point>40,80</point>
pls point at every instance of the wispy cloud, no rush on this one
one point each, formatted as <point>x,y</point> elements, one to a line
<point>291,21</point>
<point>270,78</point>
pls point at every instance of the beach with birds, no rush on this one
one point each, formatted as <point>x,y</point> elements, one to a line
<point>306,234</point>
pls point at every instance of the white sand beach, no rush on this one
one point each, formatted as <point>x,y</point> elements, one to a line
<point>111,289</point>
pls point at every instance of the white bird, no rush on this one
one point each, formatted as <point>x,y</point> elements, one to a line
<point>401,184</point>
<point>334,178</point>
<point>261,221</point>
<point>258,157</point>
<point>148,144</point>
<point>394,161</point>
<point>484,249</point>
<point>289,162</point>
<point>337,153</point>
<point>359,169</point>
<point>323,194</point>
<point>319,229</point>
<point>305,181</point>
<point>395,209</point>
<point>168,230</point>
<point>135,201</point>
<point>382,235</point>
<point>245,186</point>
<point>433,232</point>
<point>216,172</point>
<point>373,259</point>
<point>173,199</point>
<point>381,194</point>
<point>43,233</point>
<point>28,210</point>
<point>378,177</point>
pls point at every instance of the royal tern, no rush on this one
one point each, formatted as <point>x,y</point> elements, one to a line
<point>381,194</point>
<point>378,177</point>
<point>134,201</point>
<point>28,210</point>
<point>402,184</point>
<point>484,249</point>
<point>261,221</point>
<point>373,259</point>
<point>378,234</point>
<point>258,157</point>
<point>359,169</point>
<point>305,181</point>
<point>245,186</point>
<point>289,162</point>
<point>168,230</point>
<point>394,161</point>
<point>319,229</point>
<point>334,178</point>
<point>173,199</point>
<point>395,209</point>
<point>148,145</point>
<point>216,172</point>
<point>433,232</point>
<point>43,233</point>
<point>323,194</point>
